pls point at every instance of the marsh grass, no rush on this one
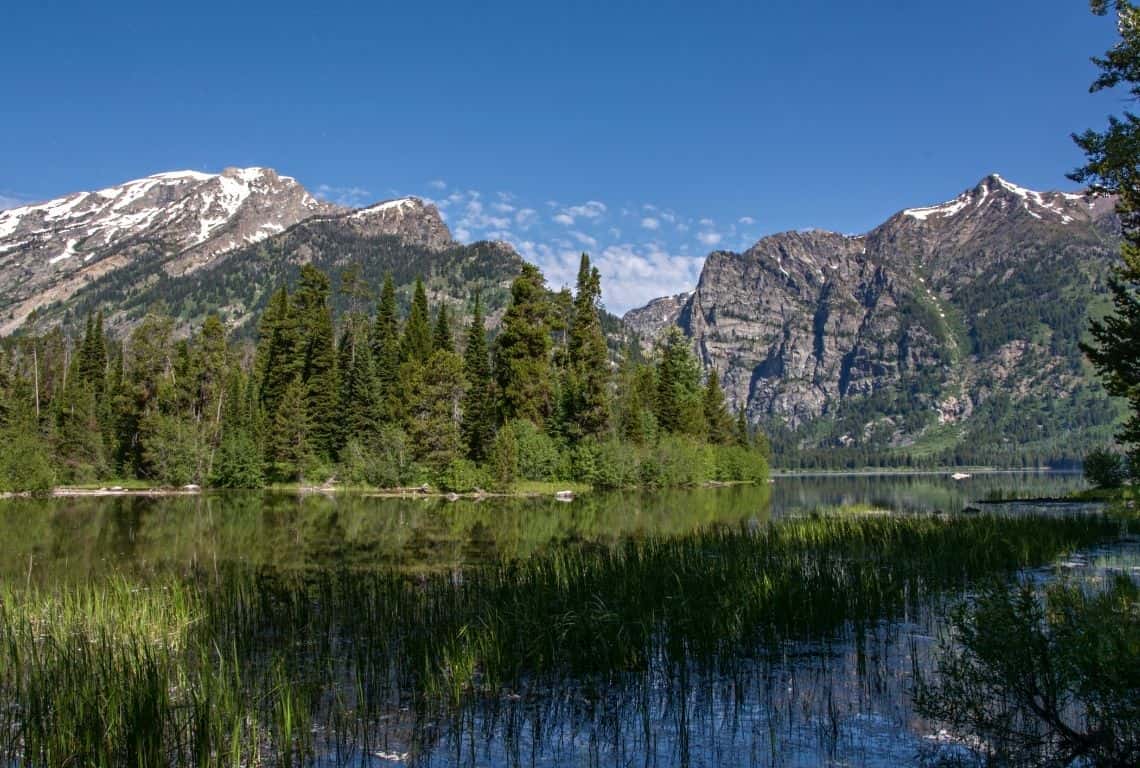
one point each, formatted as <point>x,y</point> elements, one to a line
<point>239,666</point>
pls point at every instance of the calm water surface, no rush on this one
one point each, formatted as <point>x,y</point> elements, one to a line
<point>839,700</point>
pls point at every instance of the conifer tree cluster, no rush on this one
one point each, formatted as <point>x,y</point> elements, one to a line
<point>376,396</point>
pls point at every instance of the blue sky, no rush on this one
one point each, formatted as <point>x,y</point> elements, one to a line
<point>645,133</point>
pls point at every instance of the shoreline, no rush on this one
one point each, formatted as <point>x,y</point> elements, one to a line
<point>558,491</point>
<point>944,472</point>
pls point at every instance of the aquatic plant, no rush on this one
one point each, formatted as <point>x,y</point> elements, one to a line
<point>240,665</point>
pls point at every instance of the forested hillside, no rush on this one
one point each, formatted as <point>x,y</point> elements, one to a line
<point>332,385</point>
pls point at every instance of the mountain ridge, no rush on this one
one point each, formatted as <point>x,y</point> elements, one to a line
<point>170,225</point>
<point>905,337</point>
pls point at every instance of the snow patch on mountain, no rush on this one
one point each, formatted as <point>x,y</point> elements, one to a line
<point>1036,204</point>
<point>388,205</point>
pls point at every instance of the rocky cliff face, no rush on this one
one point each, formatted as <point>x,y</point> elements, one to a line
<point>126,244</point>
<point>922,325</point>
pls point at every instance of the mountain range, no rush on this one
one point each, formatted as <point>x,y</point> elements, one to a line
<point>220,242</point>
<point>949,332</point>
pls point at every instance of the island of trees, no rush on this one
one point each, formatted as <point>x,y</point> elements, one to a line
<point>377,396</point>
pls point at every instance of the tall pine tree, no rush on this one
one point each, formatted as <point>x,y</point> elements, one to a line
<point>441,336</point>
<point>316,358</point>
<point>276,359</point>
<point>588,379</point>
<point>522,351</point>
<point>478,425</point>
<point>718,422</point>
<point>417,342</point>
<point>385,342</point>
<point>678,405</point>
<point>1113,168</point>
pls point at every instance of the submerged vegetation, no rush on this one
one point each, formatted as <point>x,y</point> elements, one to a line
<point>231,664</point>
<point>1050,679</point>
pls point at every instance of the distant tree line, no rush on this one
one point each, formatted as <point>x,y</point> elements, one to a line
<point>371,395</point>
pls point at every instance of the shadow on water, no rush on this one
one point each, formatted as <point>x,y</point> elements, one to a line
<point>669,629</point>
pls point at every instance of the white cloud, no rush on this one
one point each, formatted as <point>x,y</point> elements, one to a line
<point>525,216</point>
<point>591,209</point>
<point>503,207</point>
<point>353,197</point>
<point>746,220</point>
<point>438,184</point>
<point>585,239</point>
<point>707,223</point>
<point>710,238</point>
<point>650,223</point>
<point>634,274</point>
<point>462,235</point>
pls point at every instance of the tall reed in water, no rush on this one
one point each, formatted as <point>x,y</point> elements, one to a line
<point>263,667</point>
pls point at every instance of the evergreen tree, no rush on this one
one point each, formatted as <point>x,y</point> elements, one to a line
<point>522,351</point>
<point>276,359</point>
<point>741,432</point>
<point>288,440</point>
<point>637,392</point>
<point>434,392</point>
<point>239,459</point>
<point>211,366</point>
<point>359,390</point>
<point>358,387</point>
<point>79,448</point>
<point>441,337</point>
<point>678,401</point>
<point>146,376</point>
<point>1113,167</point>
<point>316,358</point>
<point>385,342</point>
<point>478,424</point>
<point>719,429</point>
<point>588,380</point>
<point>93,356</point>
<point>417,342</point>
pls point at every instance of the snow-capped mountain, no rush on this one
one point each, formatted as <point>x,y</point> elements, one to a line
<point>945,322</point>
<point>996,191</point>
<point>168,225</point>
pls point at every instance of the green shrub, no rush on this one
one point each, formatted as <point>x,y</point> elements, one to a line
<point>389,460</point>
<point>237,463</point>
<point>608,464</point>
<point>735,463</point>
<point>172,449</point>
<point>25,463</point>
<point>463,476</point>
<point>503,460</point>
<point>677,460</point>
<point>539,457</point>
<point>1105,469</point>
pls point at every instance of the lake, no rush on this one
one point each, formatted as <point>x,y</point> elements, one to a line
<point>774,625</point>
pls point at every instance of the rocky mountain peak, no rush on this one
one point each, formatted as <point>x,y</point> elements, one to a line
<point>185,219</point>
<point>410,218</point>
<point>994,193</point>
<point>959,313</point>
